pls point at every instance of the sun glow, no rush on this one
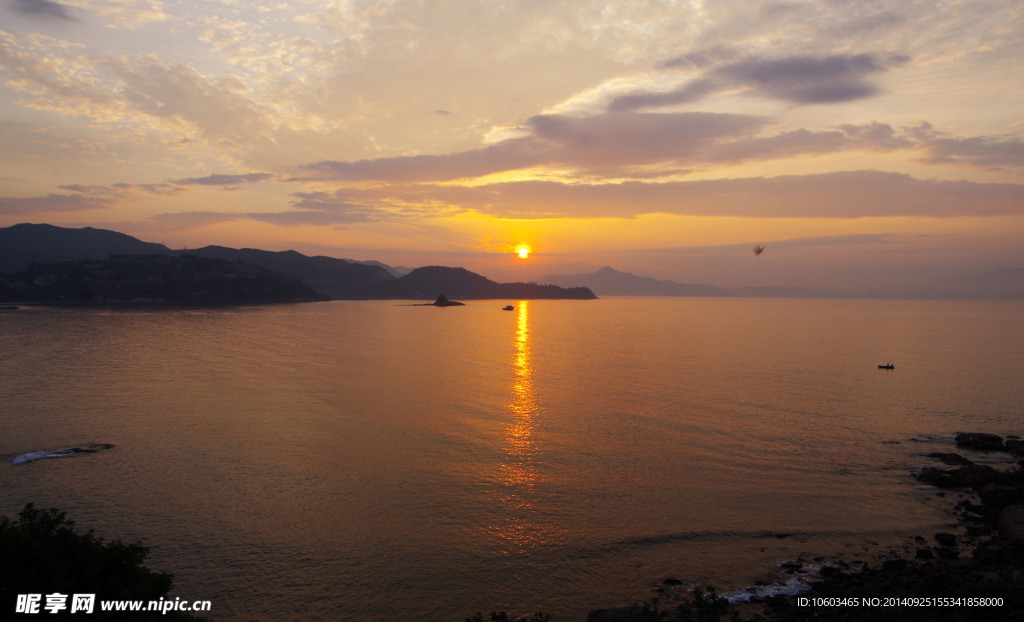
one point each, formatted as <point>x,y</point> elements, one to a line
<point>523,252</point>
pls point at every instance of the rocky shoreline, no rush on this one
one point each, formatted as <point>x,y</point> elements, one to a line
<point>975,575</point>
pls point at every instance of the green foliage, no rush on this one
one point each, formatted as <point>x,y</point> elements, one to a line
<point>42,554</point>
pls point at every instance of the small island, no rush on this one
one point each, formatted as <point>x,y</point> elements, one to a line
<point>442,301</point>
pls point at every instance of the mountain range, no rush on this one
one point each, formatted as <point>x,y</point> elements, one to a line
<point>611,282</point>
<point>25,244</point>
<point>334,278</point>
<point>1006,284</point>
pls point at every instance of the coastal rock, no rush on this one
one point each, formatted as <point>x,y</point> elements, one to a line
<point>989,553</point>
<point>442,301</point>
<point>945,539</point>
<point>1011,522</point>
<point>830,571</point>
<point>973,475</point>
<point>974,564</point>
<point>980,440</point>
<point>951,458</point>
<point>973,513</point>
<point>999,496</point>
<point>1015,447</point>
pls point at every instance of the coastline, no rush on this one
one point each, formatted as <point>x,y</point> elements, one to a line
<point>975,574</point>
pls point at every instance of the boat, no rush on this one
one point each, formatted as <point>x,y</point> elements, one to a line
<point>508,308</point>
<point>887,366</point>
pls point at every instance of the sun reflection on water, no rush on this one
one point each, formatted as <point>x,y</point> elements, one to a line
<point>520,469</point>
<point>521,531</point>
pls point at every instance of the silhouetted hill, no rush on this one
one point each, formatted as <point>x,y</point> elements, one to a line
<point>395,271</point>
<point>431,281</point>
<point>334,278</point>
<point>152,279</point>
<point>25,243</point>
<point>21,245</point>
<point>610,282</point>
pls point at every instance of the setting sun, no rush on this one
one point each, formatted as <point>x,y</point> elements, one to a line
<point>523,252</point>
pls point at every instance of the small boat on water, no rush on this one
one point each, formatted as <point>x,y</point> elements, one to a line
<point>508,308</point>
<point>887,366</point>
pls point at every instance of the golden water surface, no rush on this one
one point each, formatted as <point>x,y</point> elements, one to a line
<point>374,461</point>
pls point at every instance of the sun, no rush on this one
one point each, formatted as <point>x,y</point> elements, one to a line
<point>523,252</point>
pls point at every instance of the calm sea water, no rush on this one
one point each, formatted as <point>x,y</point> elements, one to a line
<point>373,461</point>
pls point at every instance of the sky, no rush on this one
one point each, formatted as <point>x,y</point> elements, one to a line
<point>865,144</point>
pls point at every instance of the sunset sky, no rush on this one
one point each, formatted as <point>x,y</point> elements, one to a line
<point>862,143</point>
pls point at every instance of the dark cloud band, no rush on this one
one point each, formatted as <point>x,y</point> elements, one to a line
<point>796,79</point>
<point>43,10</point>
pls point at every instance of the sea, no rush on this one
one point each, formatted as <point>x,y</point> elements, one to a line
<point>376,460</point>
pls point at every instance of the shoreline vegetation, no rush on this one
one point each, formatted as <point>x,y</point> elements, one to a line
<point>975,576</point>
<point>44,555</point>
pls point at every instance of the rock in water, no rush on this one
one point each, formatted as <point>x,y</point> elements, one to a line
<point>1011,522</point>
<point>980,440</point>
<point>974,475</point>
<point>950,458</point>
<point>442,301</point>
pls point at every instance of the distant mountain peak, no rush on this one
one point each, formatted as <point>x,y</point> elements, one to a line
<point>609,271</point>
<point>611,282</point>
